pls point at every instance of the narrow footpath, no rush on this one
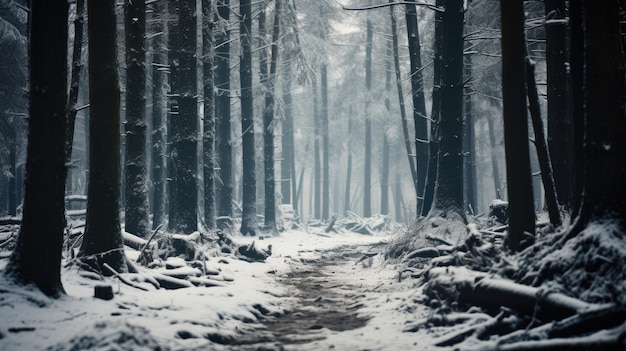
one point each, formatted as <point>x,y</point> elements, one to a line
<point>326,302</point>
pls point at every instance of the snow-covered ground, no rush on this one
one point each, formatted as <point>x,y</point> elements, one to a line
<point>340,266</point>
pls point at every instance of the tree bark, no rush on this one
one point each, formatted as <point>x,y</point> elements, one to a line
<point>208,140</point>
<point>497,182</point>
<point>136,204</point>
<point>268,125</point>
<point>159,113</point>
<point>317,173</point>
<point>604,152</point>
<point>431,177</point>
<point>367,183</point>
<point>287,168</point>
<point>77,49</point>
<point>384,179</point>
<point>405,128</point>
<point>559,118</point>
<point>37,256</point>
<point>184,125</point>
<point>222,111</point>
<point>248,220</point>
<point>419,105</point>
<point>448,193</point>
<point>519,182</point>
<point>468,139</point>
<point>102,242</point>
<point>543,153</point>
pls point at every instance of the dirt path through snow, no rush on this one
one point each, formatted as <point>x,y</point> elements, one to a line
<point>325,301</point>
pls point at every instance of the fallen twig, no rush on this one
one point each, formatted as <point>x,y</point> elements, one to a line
<point>122,279</point>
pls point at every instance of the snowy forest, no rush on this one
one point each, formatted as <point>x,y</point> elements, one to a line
<point>312,175</point>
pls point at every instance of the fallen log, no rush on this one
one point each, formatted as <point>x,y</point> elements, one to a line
<point>605,341</point>
<point>476,289</point>
<point>171,283</point>
<point>492,293</point>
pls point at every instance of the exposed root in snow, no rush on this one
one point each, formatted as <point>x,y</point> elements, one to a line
<point>447,227</point>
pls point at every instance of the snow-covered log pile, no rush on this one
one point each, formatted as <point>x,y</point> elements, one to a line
<point>557,294</point>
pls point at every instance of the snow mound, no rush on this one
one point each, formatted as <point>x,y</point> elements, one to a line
<point>111,336</point>
<point>590,265</point>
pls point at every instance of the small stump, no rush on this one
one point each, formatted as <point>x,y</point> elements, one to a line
<point>104,292</point>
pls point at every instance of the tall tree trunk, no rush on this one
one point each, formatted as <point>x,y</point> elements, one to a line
<point>222,111</point>
<point>604,151</point>
<point>468,140</point>
<point>208,140</point>
<point>494,158</point>
<point>448,194</point>
<point>102,242</point>
<point>405,127</point>
<point>433,146</point>
<point>37,256</point>
<point>248,220</point>
<point>367,183</point>
<point>184,125</point>
<point>559,118</point>
<point>287,168</point>
<point>577,99</point>
<point>325,145</point>
<point>136,209</point>
<point>77,49</point>
<point>519,182</point>
<point>159,112</point>
<point>12,172</point>
<point>419,105</point>
<point>317,188</point>
<point>346,198</point>
<point>268,125</point>
<point>173,47</point>
<point>384,179</point>
<point>543,153</point>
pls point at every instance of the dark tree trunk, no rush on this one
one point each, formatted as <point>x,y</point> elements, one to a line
<point>287,169</point>
<point>468,140</point>
<point>604,150</point>
<point>419,105</point>
<point>543,153</point>
<point>448,195</point>
<point>519,182</point>
<point>317,173</point>
<point>37,256</point>
<point>384,179</point>
<point>433,146</point>
<point>77,65</point>
<point>268,125</point>
<point>137,217</point>
<point>346,198</point>
<point>494,157</point>
<point>248,220</point>
<point>13,174</point>
<point>577,77</point>
<point>173,47</point>
<point>159,113</point>
<point>559,118</point>
<point>184,126</point>
<point>325,145</point>
<point>367,184</point>
<point>405,127</point>
<point>208,140</point>
<point>222,112</point>
<point>102,242</point>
